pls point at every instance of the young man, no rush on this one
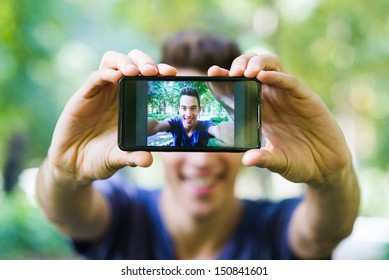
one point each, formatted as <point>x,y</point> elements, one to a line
<point>196,215</point>
<point>188,130</point>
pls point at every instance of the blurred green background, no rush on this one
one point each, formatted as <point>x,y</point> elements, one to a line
<point>340,49</point>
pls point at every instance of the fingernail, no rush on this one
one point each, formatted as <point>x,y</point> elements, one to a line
<point>131,70</point>
<point>130,67</point>
<point>253,69</point>
<point>237,70</point>
<point>150,67</point>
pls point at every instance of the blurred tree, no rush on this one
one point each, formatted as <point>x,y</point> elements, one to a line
<point>24,106</point>
<point>12,167</point>
<point>165,94</point>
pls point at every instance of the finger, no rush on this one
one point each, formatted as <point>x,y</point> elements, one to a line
<point>264,158</point>
<point>267,62</point>
<point>239,64</point>
<point>166,70</point>
<point>142,159</point>
<point>284,81</point>
<point>119,62</point>
<point>214,71</point>
<point>98,79</point>
<point>119,159</point>
<point>143,62</point>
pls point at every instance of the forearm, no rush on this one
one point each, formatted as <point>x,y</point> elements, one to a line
<point>154,126</point>
<point>326,215</point>
<point>75,207</point>
<point>223,132</point>
<point>224,94</point>
<point>151,126</point>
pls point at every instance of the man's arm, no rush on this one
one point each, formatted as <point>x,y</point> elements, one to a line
<point>224,132</point>
<point>84,148</point>
<point>325,216</point>
<point>154,126</point>
<point>79,210</point>
<point>224,94</point>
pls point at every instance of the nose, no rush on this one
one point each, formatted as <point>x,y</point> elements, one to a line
<point>187,113</point>
<point>203,160</point>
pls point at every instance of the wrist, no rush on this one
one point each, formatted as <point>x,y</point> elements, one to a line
<point>337,182</point>
<point>339,176</point>
<point>59,176</point>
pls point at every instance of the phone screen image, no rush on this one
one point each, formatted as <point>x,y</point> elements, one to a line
<point>189,114</point>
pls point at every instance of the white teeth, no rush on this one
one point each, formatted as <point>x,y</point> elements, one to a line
<point>203,182</point>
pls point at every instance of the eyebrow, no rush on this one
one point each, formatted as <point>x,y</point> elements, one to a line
<point>192,107</point>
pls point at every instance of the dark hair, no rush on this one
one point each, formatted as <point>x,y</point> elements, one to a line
<point>190,91</point>
<point>199,50</point>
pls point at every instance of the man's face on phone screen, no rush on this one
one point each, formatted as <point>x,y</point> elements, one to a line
<point>189,110</point>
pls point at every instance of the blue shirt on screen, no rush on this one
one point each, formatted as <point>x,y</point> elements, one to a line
<point>199,138</point>
<point>137,230</point>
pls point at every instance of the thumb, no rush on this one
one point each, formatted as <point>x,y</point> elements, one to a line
<point>264,158</point>
<point>142,159</point>
<point>121,159</point>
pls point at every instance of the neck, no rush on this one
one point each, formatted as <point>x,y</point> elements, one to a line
<point>189,130</point>
<point>199,237</point>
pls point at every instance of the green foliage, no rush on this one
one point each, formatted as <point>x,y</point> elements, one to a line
<point>339,49</point>
<point>213,142</point>
<point>160,117</point>
<point>219,119</point>
<point>26,234</point>
<point>164,96</point>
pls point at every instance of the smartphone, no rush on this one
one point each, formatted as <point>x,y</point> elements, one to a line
<point>189,113</point>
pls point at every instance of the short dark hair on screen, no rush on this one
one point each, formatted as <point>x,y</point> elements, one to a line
<point>190,91</point>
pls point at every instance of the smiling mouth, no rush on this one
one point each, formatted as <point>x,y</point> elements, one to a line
<point>201,186</point>
<point>189,121</point>
<point>203,182</point>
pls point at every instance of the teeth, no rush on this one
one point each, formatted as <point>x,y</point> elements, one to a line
<point>203,182</point>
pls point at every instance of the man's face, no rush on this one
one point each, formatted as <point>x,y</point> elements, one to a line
<point>202,184</point>
<point>189,110</point>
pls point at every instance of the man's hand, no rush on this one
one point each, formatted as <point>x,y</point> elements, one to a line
<point>304,141</point>
<point>224,132</point>
<point>84,145</point>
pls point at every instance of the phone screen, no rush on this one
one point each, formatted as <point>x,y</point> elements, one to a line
<point>189,114</point>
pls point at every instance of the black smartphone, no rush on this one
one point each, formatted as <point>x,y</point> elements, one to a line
<point>189,113</point>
